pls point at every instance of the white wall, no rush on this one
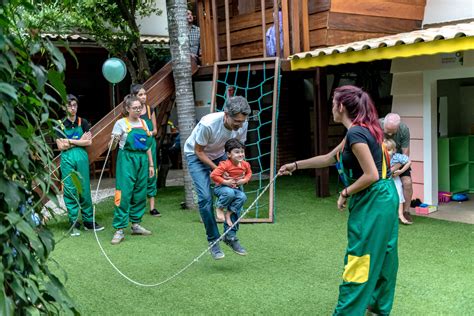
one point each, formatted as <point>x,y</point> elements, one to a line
<point>154,24</point>
<point>439,11</point>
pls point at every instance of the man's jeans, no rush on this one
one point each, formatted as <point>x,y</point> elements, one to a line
<point>200,173</point>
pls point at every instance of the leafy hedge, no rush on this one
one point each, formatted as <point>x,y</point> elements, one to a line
<point>29,68</point>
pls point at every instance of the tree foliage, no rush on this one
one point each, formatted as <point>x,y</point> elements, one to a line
<point>110,23</point>
<point>29,67</point>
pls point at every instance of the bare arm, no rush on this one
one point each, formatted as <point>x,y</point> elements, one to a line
<point>151,167</point>
<point>406,151</point>
<point>153,121</point>
<point>405,167</point>
<point>199,151</point>
<point>321,161</point>
<point>86,140</point>
<point>63,144</point>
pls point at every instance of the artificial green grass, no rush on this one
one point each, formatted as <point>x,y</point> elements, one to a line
<point>294,266</point>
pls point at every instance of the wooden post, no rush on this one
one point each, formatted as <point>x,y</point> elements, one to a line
<point>264,26</point>
<point>227,30</point>
<point>321,129</point>
<point>215,20</point>
<point>286,28</point>
<point>295,26</point>
<point>276,23</point>
<point>305,19</point>
<point>205,57</point>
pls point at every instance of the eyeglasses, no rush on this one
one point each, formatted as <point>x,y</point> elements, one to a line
<point>136,108</point>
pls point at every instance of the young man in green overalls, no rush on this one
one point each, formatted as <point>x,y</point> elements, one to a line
<point>75,135</point>
<point>134,167</point>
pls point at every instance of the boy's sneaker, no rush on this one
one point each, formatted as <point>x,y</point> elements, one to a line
<point>76,230</point>
<point>154,212</point>
<point>139,230</point>
<point>216,251</point>
<point>235,245</point>
<point>93,226</point>
<point>118,237</point>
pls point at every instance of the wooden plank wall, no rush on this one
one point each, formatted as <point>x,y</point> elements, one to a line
<point>334,22</point>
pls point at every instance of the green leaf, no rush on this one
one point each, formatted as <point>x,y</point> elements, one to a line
<point>56,79</point>
<point>8,90</point>
<point>76,181</point>
<point>18,146</point>
<point>10,193</point>
<point>6,303</point>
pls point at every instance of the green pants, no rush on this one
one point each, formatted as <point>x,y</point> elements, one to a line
<point>151,185</point>
<point>76,159</point>
<point>371,260</point>
<point>130,187</point>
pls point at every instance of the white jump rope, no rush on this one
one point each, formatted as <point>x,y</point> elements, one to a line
<point>196,259</point>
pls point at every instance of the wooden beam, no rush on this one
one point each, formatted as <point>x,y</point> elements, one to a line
<point>379,8</point>
<point>374,24</point>
<point>286,28</point>
<point>305,25</point>
<point>227,30</point>
<point>215,19</point>
<point>321,129</point>
<point>264,31</point>
<point>276,22</point>
<point>295,27</point>
<point>273,148</point>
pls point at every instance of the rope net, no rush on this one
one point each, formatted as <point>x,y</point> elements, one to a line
<point>255,81</point>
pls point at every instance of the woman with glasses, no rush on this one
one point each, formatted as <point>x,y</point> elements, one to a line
<point>134,167</point>
<point>148,114</point>
<point>72,139</point>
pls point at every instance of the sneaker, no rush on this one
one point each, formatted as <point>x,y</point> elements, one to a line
<point>154,212</point>
<point>76,230</point>
<point>118,237</point>
<point>216,251</point>
<point>234,244</point>
<point>139,230</point>
<point>93,226</point>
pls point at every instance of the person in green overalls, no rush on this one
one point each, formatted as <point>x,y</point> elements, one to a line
<point>74,136</point>
<point>148,114</point>
<point>371,260</point>
<point>134,167</point>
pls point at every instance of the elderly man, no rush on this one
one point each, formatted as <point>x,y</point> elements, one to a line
<point>204,149</point>
<point>395,129</point>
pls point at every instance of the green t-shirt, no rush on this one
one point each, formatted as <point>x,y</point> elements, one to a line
<point>401,137</point>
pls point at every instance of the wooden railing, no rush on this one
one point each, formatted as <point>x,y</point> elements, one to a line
<point>241,36</point>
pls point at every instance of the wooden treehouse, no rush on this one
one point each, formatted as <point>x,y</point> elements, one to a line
<point>234,31</point>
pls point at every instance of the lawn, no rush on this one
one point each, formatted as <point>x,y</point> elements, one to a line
<point>294,266</point>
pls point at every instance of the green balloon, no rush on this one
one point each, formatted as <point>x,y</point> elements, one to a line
<point>114,70</point>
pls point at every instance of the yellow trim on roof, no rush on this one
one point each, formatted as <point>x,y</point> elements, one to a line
<point>398,51</point>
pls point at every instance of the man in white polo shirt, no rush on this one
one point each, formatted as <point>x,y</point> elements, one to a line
<point>204,149</point>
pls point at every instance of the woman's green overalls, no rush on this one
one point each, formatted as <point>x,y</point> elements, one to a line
<point>132,176</point>
<point>76,159</point>
<point>371,260</point>
<point>151,185</point>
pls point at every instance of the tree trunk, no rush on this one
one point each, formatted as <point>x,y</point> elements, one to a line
<point>180,54</point>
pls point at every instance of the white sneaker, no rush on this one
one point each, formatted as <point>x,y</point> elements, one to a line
<point>139,230</point>
<point>118,237</point>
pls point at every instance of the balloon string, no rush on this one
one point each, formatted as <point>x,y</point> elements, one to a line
<point>113,97</point>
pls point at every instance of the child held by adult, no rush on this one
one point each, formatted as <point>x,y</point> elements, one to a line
<point>134,167</point>
<point>148,114</point>
<point>399,163</point>
<point>229,187</point>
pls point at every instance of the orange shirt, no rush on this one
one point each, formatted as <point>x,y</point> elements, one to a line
<point>240,171</point>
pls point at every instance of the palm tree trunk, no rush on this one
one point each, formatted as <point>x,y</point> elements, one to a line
<point>180,53</point>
